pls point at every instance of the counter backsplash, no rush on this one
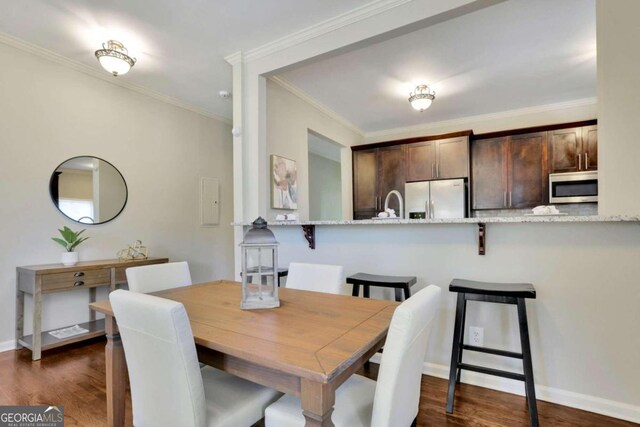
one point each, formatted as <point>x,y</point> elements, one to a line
<point>573,209</point>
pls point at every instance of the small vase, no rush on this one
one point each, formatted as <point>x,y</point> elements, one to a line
<point>69,258</point>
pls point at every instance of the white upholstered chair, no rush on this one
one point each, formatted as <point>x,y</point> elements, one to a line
<point>158,277</point>
<point>393,400</point>
<point>316,277</point>
<point>167,386</point>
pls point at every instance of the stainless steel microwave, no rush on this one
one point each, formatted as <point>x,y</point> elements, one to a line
<point>573,187</point>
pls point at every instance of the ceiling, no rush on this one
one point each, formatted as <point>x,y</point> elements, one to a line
<point>516,54</point>
<point>180,45</point>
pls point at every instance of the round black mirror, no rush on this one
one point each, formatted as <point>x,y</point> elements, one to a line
<point>88,190</point>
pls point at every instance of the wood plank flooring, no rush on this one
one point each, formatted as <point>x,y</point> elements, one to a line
<point>74,376</point>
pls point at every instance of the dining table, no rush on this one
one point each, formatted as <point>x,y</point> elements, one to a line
<point>307,347</point>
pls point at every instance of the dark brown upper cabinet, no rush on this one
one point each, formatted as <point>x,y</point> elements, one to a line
<point>510,172</point>
<point>376,172</point>
<point>574,149</point>
<point>438,159</point>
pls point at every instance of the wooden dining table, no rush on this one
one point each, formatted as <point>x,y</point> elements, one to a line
<point>307,347</point>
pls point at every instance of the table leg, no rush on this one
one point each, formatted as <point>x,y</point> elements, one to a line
<point>317,403</point>
<point>116,374</point>
<point>19,318</point>
<point>36,340</point>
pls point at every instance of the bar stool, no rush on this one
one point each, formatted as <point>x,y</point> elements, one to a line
<point>501,293</point>
<point>399,283</point>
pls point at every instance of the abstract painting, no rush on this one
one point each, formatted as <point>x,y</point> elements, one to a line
<point>284,183</point>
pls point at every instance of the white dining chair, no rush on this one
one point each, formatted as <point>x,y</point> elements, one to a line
<point>393,400</point>
<point>158,277</point>
<point>316,277</point>
<point>167,386</point>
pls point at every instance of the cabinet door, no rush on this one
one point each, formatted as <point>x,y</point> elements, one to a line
<point>391,174</point>
<point>566,150</point>
<point>421,161</point>
<point>528,172</point>
<point>590,147</point>
<point>453,158</point>
<point>365,181</point>
<point>489,173</point>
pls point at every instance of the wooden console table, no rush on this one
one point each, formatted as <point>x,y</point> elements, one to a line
<point>37,280</point>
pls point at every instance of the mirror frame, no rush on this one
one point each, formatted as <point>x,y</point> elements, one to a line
<point>126,189</point>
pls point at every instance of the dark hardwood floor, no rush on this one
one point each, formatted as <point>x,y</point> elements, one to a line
<point>74,376</point>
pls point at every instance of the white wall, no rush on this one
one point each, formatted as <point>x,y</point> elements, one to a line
<point>581,324</point>
<point>289,119</point>
<point>618,105</point>
<point>585,109</point>
<point>325,188</point>
<point>51,113</point>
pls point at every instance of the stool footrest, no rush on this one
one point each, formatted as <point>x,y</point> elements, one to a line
<point>493,351</point>
<point>490,371</point>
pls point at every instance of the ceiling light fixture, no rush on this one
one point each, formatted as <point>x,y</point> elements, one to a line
<point>114,58</point>
<point>421,97</point>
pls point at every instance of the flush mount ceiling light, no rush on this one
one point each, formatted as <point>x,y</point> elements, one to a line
<point>114,58</point>
<point>421,97</point>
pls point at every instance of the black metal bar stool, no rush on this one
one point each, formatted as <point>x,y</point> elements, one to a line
<point>501,293</point>
<point>399,283</point>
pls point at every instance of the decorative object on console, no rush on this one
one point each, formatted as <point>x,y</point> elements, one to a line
<point>114,58</point>
<point>259,251</point>
<point>284,183</point>
<point>70,240</point>
<point>137,251</point>
<point>421,97</point>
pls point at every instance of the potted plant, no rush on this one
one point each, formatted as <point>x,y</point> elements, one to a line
<point>70,240</point>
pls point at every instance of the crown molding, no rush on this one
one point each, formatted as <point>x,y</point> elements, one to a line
<point>93,72</point>
<point>358,14</point>
<point>235,58</point>
<point>288,86</point>
<point>422,128</point>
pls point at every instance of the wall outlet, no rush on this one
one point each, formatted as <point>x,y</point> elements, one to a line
<point>476,336</point>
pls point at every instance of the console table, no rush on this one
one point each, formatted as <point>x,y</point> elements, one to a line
<point>37,280</point>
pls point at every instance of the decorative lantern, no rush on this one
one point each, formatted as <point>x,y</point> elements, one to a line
<point>259,268</point>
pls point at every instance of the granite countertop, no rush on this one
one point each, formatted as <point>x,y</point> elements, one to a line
<point>490,220</point>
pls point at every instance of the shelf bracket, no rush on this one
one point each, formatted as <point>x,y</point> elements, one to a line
<point>482,238</point>
<point>310,234</point>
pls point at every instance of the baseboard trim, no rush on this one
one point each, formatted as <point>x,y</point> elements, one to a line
<point>7,345</point>
<point>610,408</point>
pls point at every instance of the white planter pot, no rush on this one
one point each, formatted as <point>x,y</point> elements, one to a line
<point>69,258</point>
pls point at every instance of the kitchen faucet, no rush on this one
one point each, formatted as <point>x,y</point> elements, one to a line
<point>400,201</point>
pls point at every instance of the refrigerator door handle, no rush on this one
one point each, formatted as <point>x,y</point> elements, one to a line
<point>432,209</point>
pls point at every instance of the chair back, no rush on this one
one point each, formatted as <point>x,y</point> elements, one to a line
<point>316,277</point>
<point>166,384</point>
<point>158,277</point>
<point>397,394</point>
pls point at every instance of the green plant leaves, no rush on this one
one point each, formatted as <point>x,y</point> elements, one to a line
<point>71,238</point>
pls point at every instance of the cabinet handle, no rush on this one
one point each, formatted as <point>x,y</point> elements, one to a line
<point>78,274</point>
<point>509,198</point>
<point>586,161</point>
<point>504,197</point>
<point>579,162</point>
<point>78,283</point>
<point>438,170</point>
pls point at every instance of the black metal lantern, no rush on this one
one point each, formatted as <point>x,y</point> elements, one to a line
<point>259,267</point>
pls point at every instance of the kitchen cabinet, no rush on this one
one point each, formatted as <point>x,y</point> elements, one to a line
<point>510,171</point>
<point>376,172</point>
<point>438,159</point>
<point>573,149</point>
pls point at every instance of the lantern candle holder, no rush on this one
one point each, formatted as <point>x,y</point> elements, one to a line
<point>259,250</point>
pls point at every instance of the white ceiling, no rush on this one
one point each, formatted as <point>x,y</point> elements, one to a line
<point>180,45</point>
<point>517,54</point>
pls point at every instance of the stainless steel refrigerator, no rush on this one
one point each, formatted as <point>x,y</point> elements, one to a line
<point>435,199</point>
